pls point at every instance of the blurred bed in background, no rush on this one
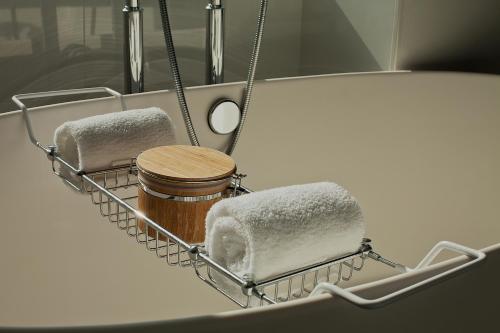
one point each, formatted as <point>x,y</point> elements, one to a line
<point>64,44</point>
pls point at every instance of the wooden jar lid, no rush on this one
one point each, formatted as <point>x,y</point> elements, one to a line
<point>186,163</point>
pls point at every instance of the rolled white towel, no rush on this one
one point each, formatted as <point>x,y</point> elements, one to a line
<point>263,234</point>
<point>97,143</point>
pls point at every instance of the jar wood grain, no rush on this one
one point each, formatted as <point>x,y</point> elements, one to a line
<point>179,184</point>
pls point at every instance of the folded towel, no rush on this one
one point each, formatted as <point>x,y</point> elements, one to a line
<point>99,142</point>
<point>263,234</point>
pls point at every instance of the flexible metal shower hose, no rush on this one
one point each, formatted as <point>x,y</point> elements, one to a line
<point>174,67</point>
<point>251,73</point>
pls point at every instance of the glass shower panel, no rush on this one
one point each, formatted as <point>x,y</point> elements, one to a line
<point>280,49</point>
<point>64,44</point>
<point>188,24</point>
<point>348,36</point>
<point>21,43</point>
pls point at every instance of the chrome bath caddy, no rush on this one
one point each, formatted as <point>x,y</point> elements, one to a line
<point>114,193</point>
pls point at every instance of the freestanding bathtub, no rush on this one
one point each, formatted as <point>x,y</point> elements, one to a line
<point>420,151</point>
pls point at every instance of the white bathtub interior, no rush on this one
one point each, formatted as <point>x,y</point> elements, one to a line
<point>418,150</point>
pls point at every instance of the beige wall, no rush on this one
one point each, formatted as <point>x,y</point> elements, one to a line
<point>461,35</point>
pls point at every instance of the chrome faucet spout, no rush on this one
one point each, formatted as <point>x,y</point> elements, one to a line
<point>215,42</point>
<point>133,48</point>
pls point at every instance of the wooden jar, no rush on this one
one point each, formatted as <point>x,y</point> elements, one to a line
<point>179,184</point>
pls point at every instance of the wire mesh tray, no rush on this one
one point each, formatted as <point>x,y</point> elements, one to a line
<point>114,193</point>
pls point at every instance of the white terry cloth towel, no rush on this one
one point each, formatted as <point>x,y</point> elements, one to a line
<point>262,234</point>
<point>100,142</point>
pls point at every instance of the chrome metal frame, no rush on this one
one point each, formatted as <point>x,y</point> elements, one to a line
<point>475,256</point>
<point>180,198</point>
<point>114,192</point>
<point>133,47</point>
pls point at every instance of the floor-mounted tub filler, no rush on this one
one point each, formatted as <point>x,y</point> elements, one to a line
<point>419,150</point>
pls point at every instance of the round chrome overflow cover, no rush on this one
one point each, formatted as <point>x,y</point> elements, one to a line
<point>224,117</point>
